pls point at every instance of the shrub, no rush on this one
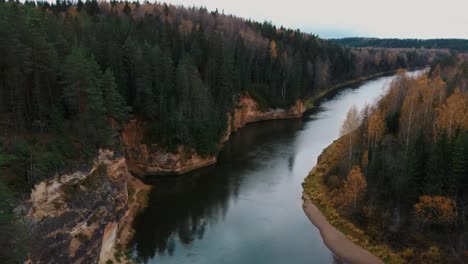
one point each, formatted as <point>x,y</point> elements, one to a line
<point>435,210</point>
<point>431,255</point>
<point>334,182</point>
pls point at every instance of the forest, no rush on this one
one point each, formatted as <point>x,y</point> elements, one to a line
<point>460,45</point>
<point>400,170</point>
<point>72,73</point>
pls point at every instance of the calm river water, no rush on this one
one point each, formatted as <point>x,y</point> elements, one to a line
<point>247,208</point>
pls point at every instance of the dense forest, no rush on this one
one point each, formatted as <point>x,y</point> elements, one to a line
<point>400,171</point>
<point>71,73</point>
<point>460,45</point>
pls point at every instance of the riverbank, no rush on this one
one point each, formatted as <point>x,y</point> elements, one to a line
<point>339,244</point>
<point>256,164</point>
<point>153,159</point>
<point>311,102</point>
<point>342,237</point>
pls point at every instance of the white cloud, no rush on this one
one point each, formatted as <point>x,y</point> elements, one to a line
<point>397,18</point>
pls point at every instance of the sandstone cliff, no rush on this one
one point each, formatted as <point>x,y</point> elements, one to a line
<point>81,217</point>
<point>153,159</point>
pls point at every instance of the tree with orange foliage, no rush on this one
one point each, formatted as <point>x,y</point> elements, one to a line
<point>410,110</point>
<point>453,113</point>
<point>435,93</point>
<point>273,49</point>
<point>365,159</point>
<point>435,210</point>
<point>376,127</point>
<point>355,185</point>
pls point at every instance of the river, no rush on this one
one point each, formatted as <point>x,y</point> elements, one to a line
<point>247,208</point>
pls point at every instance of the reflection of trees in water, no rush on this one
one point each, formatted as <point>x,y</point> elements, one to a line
<point>181,208</point>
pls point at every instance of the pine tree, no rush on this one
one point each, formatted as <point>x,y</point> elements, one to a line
<point>83,95</point>
<point>98,131</point>
<point>438,166</point>
<point>12,238</point>
<point>184,107</point>
<point>416,167</point>
<point>79,5</point>
<point>113,101</point>
<point>127,10</point>
<point>459,165</point>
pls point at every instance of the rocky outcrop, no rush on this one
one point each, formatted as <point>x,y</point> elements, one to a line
<point>153,159</point>
<point>81,217</point>
<point>87,216</point>
<point>248,111</point>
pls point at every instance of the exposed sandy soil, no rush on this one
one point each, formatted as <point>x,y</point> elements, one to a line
<point>336,241</point>
<point>154,159</point>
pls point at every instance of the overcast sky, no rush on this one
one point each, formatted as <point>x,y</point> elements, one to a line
<point>344,18</point>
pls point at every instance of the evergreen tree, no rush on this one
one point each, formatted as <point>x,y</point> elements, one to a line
<point>52,58</point>
<point>83,95</point>
<point>113,101</point>
<point>438,166</point>
<point>12,244</point>
<point>79,5</point>
<point>127,10</point>
<point>459,164</point>
<point>415,167</point>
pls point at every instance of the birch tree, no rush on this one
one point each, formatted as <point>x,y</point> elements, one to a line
<point>355,185</point>
<point>350,124</point>
<point>453,113</point>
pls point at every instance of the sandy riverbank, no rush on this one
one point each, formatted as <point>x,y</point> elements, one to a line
<point>336,241</point>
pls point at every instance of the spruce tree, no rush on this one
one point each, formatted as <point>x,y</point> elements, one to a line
<point>113,101</point>
<point>84,99</point>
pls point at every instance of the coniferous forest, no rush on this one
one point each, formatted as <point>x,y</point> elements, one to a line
<point>73,73</point>
<point>460,45</point>
<point>68,70</point>
<point>399,172</point>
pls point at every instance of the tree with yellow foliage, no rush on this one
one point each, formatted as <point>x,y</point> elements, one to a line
<point>350,124</point>
<point>355,185</point>
<point>365,159</point>
<point>273,49</point>
<point>453,113</point>
<point>435,210</point>
<point>410,112</point>
<point>376,127</point>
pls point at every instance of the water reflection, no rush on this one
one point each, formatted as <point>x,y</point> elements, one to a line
<point>247,207</point>
<point>182,207</point>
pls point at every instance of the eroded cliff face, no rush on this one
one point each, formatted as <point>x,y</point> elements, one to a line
<point>81,217</point>
<point>153,159</point>
<point>249,111</point>
<point>84,217</point>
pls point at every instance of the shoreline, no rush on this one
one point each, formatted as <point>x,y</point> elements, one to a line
<point>341,246</point>
<point>141,168</point>
<point>311,101</point>
<point>336,230</point>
